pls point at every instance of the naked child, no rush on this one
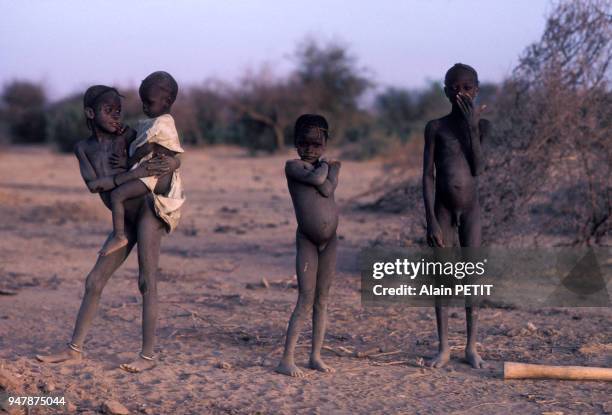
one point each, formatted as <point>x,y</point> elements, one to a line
<point>312,181</point>
<point>452,161</point>
<point>102,106</point>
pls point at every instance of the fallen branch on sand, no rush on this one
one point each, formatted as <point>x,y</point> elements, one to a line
<point>396,362</point>
<point>514,370</point>
<point>194,315</point>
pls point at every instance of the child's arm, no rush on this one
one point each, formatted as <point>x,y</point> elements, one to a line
<point>331,182</point>
<point>484,129</point>
<point>434,233</point>
<point>476,129</point>
<point>129,162</point>
<point>306,173</point>
<point>121,160</point>
<point>157,166</point>
<point>128,132</point>
<point>140,152</point>
<point>87,171</point>
<point>171,156</point>
<point>162,160</point>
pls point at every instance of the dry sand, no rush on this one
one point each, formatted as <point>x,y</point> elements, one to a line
<point>221,332</point>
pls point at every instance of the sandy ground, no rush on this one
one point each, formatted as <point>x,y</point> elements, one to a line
<point>238,228</point>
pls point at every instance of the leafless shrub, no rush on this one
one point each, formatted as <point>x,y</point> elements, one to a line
<point>549,159</point>
<point>22,109</point>
<point>550,168</point>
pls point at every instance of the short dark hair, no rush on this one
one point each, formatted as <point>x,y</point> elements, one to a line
<point>450,74</point>
<point>92,95</point>
<point>162,80</point>
<point>305,122</point>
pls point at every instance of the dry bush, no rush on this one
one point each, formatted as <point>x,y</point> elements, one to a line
<point>66,123</point>
<point>549,172</point>
<point>22,111</point>
<point>327,80</point>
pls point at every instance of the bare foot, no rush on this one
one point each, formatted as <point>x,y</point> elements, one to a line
<point>138,365</point>
<point>63,356</point>
<point>113,244</point>
<point>441,359</point>
<point>289,369</point>
<point>317,364</point>
<point>473,358</point>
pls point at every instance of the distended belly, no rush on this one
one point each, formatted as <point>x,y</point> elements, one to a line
<point>317,217</point>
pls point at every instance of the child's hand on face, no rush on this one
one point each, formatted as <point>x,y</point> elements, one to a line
<point>471,114</point>
<point>121,129</point>
<point>124,130</point>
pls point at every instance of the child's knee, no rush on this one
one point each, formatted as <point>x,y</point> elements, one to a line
<point>116,196</point>
<point>146,286</point>
<point>93,286</point>
<point>320,302</point>
<point>306,300</point>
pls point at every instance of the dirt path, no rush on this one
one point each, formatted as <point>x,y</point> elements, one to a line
<point>238,228</point>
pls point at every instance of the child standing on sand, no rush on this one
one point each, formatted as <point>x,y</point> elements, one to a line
<point>452,161</point>
<point>312,181</point>
<point>144,229</point>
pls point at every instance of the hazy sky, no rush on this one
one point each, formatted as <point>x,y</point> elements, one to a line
<point>69,45</point>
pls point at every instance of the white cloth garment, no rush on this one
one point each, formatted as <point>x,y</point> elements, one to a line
<point>162,131</point>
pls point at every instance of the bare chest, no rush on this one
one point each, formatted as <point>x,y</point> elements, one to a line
<point>451,145</point>
<point>99,154</point>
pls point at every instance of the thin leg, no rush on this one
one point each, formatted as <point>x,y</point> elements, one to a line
<point>470,235</point>
<point>129,190</point>
<point>306,265</point>
<point>96,281</point>
<point>325,276</point>
<point>444,217</point>
<point>470,228</point>
<point>150,232</point>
